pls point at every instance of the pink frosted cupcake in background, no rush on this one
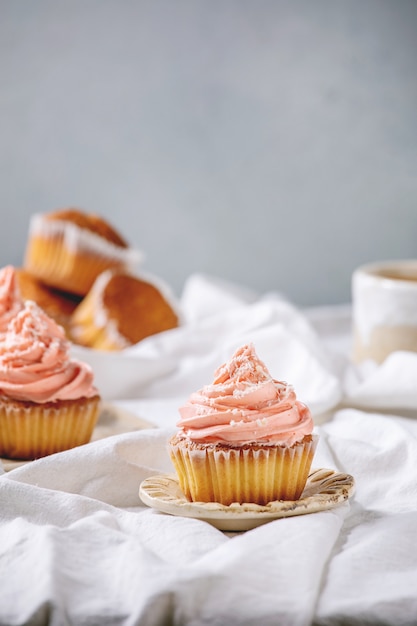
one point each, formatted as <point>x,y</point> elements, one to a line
<point>48,401</point>
<point>244,438</point>
<point>11,301</point>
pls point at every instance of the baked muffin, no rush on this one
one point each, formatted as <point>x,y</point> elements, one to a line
<point>11,301</point>
<point>57,304</point>
<point>244,438</point>
<point>48,401</point>
<point>122,309</point>
<point>68,249</point>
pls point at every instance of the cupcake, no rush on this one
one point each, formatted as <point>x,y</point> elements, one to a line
<point>48,401</point>
<point>244,438</point>
<point>68,249</point>
<point>11,301</point>
<point>57,304</point>
<point>122,309</point>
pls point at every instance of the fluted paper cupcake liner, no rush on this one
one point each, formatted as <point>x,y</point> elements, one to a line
<point>258,474</point>
<point>29,431</point>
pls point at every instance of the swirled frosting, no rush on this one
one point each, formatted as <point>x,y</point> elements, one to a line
<point>34,361</point>
<point>244,404</point>
<point>11,301</point>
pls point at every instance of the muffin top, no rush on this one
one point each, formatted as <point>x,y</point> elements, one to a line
<point>244,404</point>
<point>35,365</point>
<point>89,221</point>
<point>127,299</point>
<point>130,307</point>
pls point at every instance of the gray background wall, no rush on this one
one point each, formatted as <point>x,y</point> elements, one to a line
<point>270,143</point>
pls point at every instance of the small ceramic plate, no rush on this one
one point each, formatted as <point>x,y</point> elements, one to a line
<point>325,488</point>
<point>113,420</point>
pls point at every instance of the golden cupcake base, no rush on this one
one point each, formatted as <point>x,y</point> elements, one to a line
<point>254,473</point>
<point>112,420</point>
<point>29,431</point>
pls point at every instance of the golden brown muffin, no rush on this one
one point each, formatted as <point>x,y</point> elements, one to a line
<point>122,309</point>
<point>57,304</point>
<point>67,249</point>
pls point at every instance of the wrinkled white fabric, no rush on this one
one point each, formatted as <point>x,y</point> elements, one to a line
<point>175,363</point>
<point>77,546</point>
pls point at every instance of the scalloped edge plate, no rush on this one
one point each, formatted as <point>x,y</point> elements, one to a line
<point>112,420</point>
<point>325,489</point>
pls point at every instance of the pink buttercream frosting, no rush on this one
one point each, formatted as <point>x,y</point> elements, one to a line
<point>11,301</point>
<point>244,404</point>
<point>34,361</point>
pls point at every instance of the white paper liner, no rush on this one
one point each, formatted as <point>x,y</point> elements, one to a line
<point>80,239</point>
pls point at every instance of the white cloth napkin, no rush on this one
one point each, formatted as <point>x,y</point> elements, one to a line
<point>77,546</point>
<point>217,320</point>
<point>81,547</point>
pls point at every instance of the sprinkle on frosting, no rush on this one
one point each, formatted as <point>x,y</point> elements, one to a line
<point>11,301</point>
<point>34,361</point>
<point>244,404</point>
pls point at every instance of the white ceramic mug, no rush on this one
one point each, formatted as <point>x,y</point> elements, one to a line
<point>384,309</point>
